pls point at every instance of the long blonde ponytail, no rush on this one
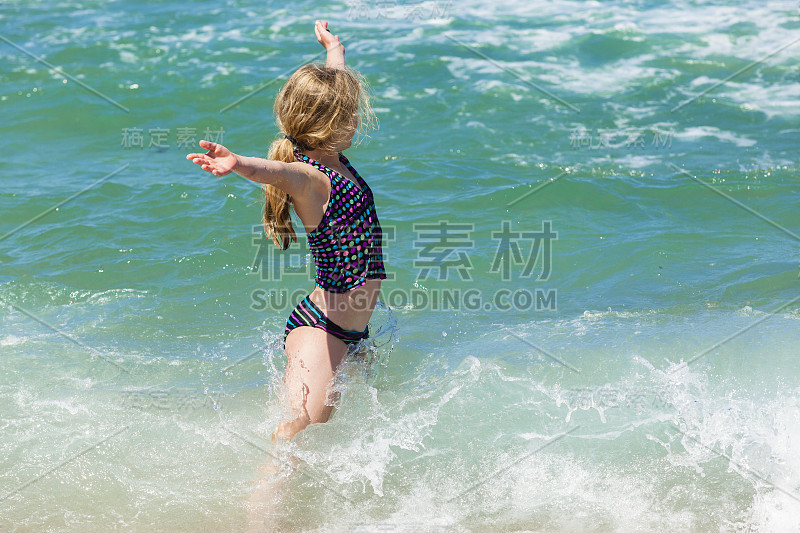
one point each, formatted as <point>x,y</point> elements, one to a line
<point>277,216</point>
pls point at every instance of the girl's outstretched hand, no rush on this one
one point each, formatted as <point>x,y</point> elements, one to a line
<point>218,160</point>
<point>326,38</point>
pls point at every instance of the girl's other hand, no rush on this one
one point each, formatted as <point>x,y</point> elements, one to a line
<point>326,38</point>
<point>218,160</point>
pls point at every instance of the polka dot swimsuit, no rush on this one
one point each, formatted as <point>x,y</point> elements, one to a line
<point>347,244</point>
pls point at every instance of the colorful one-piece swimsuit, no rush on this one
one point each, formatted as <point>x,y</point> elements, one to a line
<point>347,248</point>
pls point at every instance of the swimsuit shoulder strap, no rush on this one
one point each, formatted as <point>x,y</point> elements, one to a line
<point>361,181</point>
<point>319,166</point>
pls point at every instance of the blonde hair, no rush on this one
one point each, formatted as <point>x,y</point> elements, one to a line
<point>315,107</point>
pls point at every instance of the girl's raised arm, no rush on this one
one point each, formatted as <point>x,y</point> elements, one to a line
<point>331,43</point>
<point>292,179</point>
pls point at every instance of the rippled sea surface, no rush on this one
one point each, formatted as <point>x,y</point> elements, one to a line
<point>593,316</point>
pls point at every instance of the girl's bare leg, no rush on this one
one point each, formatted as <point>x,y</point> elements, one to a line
<point>312,357</point>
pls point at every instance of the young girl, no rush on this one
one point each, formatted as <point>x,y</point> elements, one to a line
<point>318,112</point>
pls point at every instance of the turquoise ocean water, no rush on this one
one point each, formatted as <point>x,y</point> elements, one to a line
<point>636,372</point>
